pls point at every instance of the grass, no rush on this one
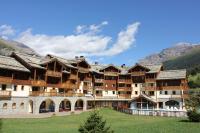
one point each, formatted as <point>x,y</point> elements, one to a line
<point>121,123</point>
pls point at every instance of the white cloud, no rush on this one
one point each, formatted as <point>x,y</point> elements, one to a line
<point>6,31</point>
<point>87,41</point>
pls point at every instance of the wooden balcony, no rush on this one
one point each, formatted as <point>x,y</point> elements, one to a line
<point>99,80</point>
<point>111,73</point>
<point>88,79</point>
<point>87,87</point>
<point>176,96</point>
<point>99,87</point>
<point>53,73</point>
<point>170,88</point>
<point>38,83</point>
<point>54,94</point>
<point>73,76</point>
<point>124,96</point>
<point>21,82</point>
<point>125,81</point>
<point>150,88</point>
<point>5,80</point>
<point>150,80</point>
<point>124,89</point>
<point>83,70</point>
<point>99,95</point>
<point>137,73</point>
<point>5,94</point>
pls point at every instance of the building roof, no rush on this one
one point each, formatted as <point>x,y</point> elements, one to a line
<point>154,68</point>
<point>32,60</point>
<point>137,64</point>
<point>172,74</point>
<point>96,68</point>
<point>11,64</point>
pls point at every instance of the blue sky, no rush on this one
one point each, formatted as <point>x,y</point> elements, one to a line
<point>51,26</point>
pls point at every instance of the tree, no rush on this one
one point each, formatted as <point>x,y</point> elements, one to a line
<point>193,107</point>
<point>95,124</point>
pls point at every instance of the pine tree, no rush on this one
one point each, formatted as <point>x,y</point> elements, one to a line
<point>95,124</point>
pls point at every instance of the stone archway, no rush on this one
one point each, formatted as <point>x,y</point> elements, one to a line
<point>79,104</point>
<point>30,106</point>
<point>46,106</point>
<point>65,105</point>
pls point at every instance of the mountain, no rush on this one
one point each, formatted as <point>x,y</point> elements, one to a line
<point>8,46</point>
<point>182,56</point>
<point>169,53</point>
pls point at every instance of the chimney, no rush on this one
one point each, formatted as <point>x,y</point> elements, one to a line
<point>123,65</point>
<point>96,63</point>
<point>82,57</point>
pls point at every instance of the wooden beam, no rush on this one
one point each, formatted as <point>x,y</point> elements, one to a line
<point>34,74</point>
<point>54,66</point>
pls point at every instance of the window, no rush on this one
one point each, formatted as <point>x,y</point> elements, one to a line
<point>135,85</point>
<point>3,87</point>
<point>151,93</point>
<point>22,88</point>
<point>160,92</point>
<point>113,92</point>
<point>174,92</point>
<point>14,106</point>
<point>15,88</point>
<point>5,105</point>
<point>136,92</point>
<point>166,92</point>
<point>128,85</point>
<point>22,105</point>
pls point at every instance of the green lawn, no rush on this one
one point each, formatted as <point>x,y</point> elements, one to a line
<point>121,123</point>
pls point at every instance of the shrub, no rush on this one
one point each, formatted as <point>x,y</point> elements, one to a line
<point>193,116</point>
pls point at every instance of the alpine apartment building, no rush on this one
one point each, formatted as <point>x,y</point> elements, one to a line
<point>35,84</point>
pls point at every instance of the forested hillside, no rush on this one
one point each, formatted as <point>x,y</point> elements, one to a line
<point>189,61</point>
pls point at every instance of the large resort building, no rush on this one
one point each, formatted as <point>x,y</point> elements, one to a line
<point>35,84</point>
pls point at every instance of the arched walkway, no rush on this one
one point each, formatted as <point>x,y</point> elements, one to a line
<point>47,106</point>
<point>30,106</point>
<point>172,104</point>
<point>65,105</point>
<point>79,104</point>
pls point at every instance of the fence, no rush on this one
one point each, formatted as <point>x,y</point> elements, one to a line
<point>153,112</point>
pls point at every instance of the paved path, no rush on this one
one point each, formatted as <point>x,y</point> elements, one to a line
<point>42,115</point>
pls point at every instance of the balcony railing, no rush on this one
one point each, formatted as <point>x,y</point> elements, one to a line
<point>111,73</point>
<point>124,96</point>
<point>99,87</point>
<point>5,94</point>
<point>99,80</point>
<point>124,88</point>
<point>5,79</point>
<point>137,73</point>
<point>58,94</point>
<point>38,83</point>
<point>150,80</point>
<point>83,70</point>
<point>21,82</point>
<point>170,88</point>
<point>124,81</point>
<point>53,73</point>
<point>73,76</point>
<point>87,79</point>
<point>150,88</point>
<point>99,95</point>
